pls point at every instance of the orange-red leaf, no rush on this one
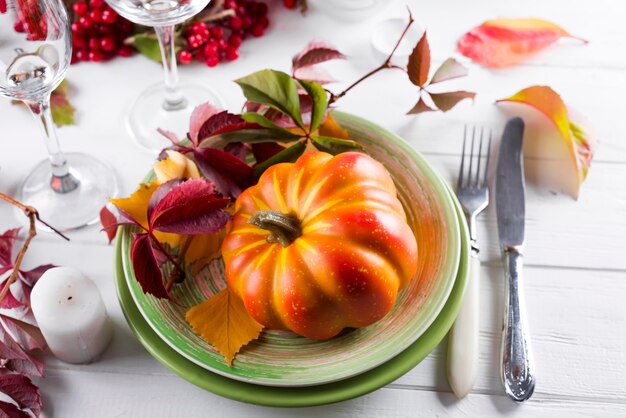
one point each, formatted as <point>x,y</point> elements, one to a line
<point>547,101</point>
<point>331,128</point>
<point>503,42</point>
<point>224,322</point>
<point>420,107</point>
<point>419,63</point>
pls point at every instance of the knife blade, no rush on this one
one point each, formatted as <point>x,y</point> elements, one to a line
<point>517,368</point>
<point>510,187</point>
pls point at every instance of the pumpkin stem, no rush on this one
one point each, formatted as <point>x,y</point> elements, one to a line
<point>284,227</point>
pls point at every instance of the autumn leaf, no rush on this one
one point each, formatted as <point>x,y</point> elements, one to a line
<point>175,166</point>
<point>449,70</point>
<point>16,359</point>
<point>420,107</point>
<point>230,175</point>
<point>147,267</point>
<point>203,249</point>
<point>503,42</point>
<point>199,116</point>
<point>304,65</point>
<point>419,63</point>
<point>224,322</point>
<point>548,102</point>
<point>331,128</point>
<point>25,394</point>
<point>109,223</point>
<point>446,101</point>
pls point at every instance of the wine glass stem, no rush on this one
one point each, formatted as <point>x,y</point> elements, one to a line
<point>61,181</point>
<point>174,99</point>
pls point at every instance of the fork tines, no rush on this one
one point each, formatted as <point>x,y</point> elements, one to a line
<point>473,178</point>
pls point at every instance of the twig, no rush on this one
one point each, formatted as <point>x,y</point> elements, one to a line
<point>386,64</point>
<point>33,216</point>
<point>178,272</point>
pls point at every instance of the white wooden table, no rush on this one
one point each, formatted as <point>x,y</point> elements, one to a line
<point>576,250</point>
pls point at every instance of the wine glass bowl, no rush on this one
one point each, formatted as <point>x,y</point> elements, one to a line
<point>68,190</point>
<point>158,12</point>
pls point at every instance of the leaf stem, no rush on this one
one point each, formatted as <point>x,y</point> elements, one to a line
<point>386,64</point>
<point>178,273</point>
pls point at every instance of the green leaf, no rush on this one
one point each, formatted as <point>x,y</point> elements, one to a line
<point>288,155</point>
<point>334,145</point>
<point>320,102</point>
<point>263,121</point>
<point>62,110</point>
<point>275,89</point>
<point>148,45</point>
<point>252,136</point>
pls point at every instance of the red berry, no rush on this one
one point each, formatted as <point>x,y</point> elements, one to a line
<point>108,43</point>
<point>19,26</point>
<point>263,21</point>
<point>217,32</point>
<point>212,61</point>
<point>222,45</point>
<point>79,41</point>
<point>257,30</point>
<point>95,56</point>
<point>230,4</point>
<point>126,26</point>
<point>81,8</point>
<point>194,41</point>
<point>75,58</point>
<point>96,15</point>
<point>109,16</point>
<point>94,43</point>
<point>126,51</point>
<point>96,4</point>
<point>235,23</point>
<point>82,55</point>
<point>246,22</point>
<point>290,4</point>
<point>261,9</point>
<point>185,57</point>
<point>76,29</point>
<point>232,53</point>
<point>235,40</point>
<point>86,22</point>
<point>210,49</point>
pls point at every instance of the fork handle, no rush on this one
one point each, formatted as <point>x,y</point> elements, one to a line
<point>517,369</point>
<point>463,337</point>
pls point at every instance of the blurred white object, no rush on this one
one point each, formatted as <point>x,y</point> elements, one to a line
<point>387,33</point>
<point>71,315</point>
<point>349,10</point>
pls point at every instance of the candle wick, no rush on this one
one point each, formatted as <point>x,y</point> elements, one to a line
<point>69,298</point>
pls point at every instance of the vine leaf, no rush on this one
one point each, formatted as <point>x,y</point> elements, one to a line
<point>419,63</point>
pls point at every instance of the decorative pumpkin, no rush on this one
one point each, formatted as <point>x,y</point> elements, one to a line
<point>320,245</point>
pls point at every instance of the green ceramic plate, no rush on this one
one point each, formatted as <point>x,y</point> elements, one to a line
<point>284,359</point>
<point>297,396</point>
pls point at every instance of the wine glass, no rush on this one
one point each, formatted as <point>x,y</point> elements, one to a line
<point>166,105</point>
<point>35,50</point>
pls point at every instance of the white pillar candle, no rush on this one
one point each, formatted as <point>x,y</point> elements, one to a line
<point>71,315</point>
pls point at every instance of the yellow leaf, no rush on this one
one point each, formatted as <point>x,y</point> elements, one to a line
<point>203,249</point>
<point>175,166</point>
<point>224,322</point>
<point>136,206</point>
<point>331,128</point>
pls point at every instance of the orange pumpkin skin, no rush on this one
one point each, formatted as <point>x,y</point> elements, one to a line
<point>355,253</point>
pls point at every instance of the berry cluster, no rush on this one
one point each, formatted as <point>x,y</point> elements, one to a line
<point>219,41</point>
<point>98,32</point>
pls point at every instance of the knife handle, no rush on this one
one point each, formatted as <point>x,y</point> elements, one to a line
<point>463,338</point>
<point>517,369</point>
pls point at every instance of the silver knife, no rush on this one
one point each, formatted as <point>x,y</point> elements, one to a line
<point>517,368</point>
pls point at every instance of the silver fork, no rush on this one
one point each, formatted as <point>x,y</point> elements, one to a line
<point>473,194</point>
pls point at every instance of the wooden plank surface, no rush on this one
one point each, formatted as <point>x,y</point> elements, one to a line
<point>576,252</point>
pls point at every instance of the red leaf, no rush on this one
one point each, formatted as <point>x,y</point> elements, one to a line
<point>109,223</point>
<point>9,301</point>
<point>446,101</point>
<point>419,63</point>
<point>7,240</point>
<point>16,359</point>
<point>420,107</point>
<point>169,135</point>
<point>315,52</point>
<point>191,208</point>
<point>23,392</point>
<point>9,410</point>
<point>503,42</point>
<point>316,74</point>
<point>200,114</point>
<point>146,267</point>
<point>238,149</point>
<point>160,193</point>
<point>221,123</point>
<point>230,175</point>
<point>30,277</point>
<point>26,335</point>
<point>448,70</point>
<point>265,150</point>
